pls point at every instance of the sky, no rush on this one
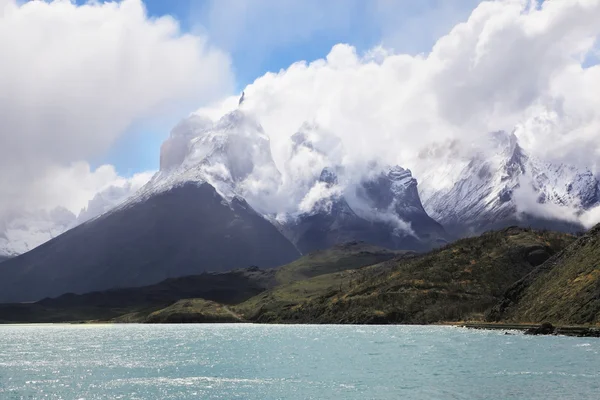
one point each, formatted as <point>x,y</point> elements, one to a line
<point>90,90</point>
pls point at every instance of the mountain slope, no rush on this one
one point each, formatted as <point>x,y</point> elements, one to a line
<point>460,281</point>
<point>193,311</point>
<point>185,230</point>
<point>232,287</point>
<point>499,184</point>
<point>25,231</point>
<point>564,290</point>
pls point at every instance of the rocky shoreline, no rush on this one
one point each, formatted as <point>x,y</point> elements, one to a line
<point>543,329</point>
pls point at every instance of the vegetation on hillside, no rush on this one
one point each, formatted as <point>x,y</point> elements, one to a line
<point>565,290</point>
<point>470,279</point>
<point>460,281</point>
<point>193,311</point>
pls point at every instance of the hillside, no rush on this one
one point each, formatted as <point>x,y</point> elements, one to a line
<point>460,281</point>
<point>565,290</point>
<point>362,284</point>
<point>228,288</point>
<point>193,311</point>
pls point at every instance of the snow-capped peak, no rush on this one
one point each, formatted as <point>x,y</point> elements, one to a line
<point>486,180</point>
<point>232,154</point>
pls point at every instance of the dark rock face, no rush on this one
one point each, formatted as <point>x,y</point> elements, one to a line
<point>187,230</point>
<point>545,329</point>
<point>321,230</point>
<point>538,256</point>
<point>395,192</point>
<point>389,196</point>
<point>334,223</point>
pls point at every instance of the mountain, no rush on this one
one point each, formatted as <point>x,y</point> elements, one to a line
<point>387,212</point>
<point>185,230</point>
<point>188,219</point>
<point>230,155</point>
<point>499,184</point>
<point>380,205</point>
<point>214,206</point>
<point>565,290</point>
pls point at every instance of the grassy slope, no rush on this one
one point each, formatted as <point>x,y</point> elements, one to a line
<point>313,275</point>
<point>339,258</point>
<point>194,311</point>
<point>457,282</point>
<point>563,291</point>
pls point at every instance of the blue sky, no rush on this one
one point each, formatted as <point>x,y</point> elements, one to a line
<point>268,35</point>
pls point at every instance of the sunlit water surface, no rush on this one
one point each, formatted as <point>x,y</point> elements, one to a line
<point>291,362</point>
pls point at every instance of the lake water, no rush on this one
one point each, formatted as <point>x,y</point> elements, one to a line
<point>291,362</point>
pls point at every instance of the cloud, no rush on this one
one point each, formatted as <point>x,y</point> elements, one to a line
<point>526,199</point>
<point>513,65</point>
<point>73,78</point>
<point>72,195</point>
<point>112,191</point>
<point>527,203</point>
<point>73,187</point>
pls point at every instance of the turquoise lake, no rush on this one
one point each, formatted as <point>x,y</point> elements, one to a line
<point>291,362</point>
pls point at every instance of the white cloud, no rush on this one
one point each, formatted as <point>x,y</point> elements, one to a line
<point>112,191</point>
<point>526,199</point>
<point>72,195</point>
<point>510,65</point>
<point>74,186</point>
<point>320,196</point>
<point>590,217</point>
<point>74,78</point>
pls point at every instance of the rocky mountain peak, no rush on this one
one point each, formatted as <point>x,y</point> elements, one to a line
<point>328,176</point>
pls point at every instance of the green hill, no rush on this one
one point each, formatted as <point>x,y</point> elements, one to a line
<point>563,291</point>
<point>460,281</point>
<point>194,311</point>
<point>343,257</point>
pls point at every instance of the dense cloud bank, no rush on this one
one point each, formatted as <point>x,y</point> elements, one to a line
<point>73,78</point>
<point>513,66</point>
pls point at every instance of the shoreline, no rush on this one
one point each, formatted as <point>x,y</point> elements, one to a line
<point>527,329</point>
<point>537,329</point>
